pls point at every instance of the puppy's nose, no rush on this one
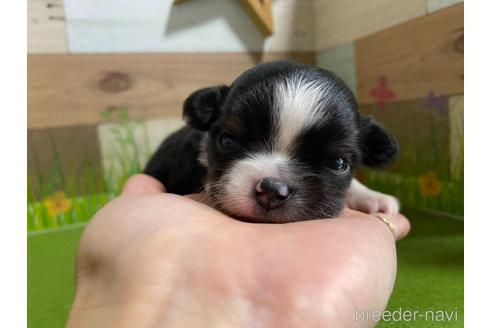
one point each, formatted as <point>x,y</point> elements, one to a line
<point>271,193</point>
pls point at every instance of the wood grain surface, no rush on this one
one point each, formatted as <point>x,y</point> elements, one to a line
<point>415,57</point>
<point>343,21</point>
<point>261,13</point>
<point>75,89</point>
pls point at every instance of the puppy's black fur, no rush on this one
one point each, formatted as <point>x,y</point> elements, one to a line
<point>176,164</point>
<point>254,129</point>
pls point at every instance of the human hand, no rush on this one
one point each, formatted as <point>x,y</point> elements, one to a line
<point>152,259</point>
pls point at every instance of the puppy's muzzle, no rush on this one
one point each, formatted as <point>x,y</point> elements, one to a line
<point>271,193</point>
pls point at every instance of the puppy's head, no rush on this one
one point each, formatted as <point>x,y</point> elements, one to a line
<point>282,142</point>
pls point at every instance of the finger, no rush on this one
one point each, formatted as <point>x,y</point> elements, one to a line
<point>142,184</point>
<point>400,223</point>
<point>390,206</point>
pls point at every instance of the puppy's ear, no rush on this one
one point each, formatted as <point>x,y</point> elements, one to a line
<point>203,106</point>
<point>379,147</point>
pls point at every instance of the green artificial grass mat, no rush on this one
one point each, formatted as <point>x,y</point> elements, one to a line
<point>430,273</point>
<point>50,277</point>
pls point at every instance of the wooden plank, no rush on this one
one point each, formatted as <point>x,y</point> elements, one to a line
<point>63,158</point>
<point>415,57</point>
<point>74,89</point>
<point>435,5</point>
<point>343,21</point>
<point>456,138</point>
<point>261,13</point>
<point>422,132</point>
<point>46,26</point>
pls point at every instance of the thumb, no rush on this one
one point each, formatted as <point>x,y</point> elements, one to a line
<point>142,184</point>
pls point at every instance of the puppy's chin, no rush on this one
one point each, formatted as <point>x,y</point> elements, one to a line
<point>265,218</point>
<point>249,211</point>
<point>256,214</point>
<point>269,218</point>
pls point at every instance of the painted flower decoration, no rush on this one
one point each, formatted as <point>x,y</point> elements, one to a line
<point>437,102</point>
<point>382,93</point>
<point>58,203</point>
<point>430,185</point>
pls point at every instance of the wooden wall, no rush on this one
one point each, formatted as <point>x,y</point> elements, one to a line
<point>422,54</point>
<point>342,21</point>
<point>404,61</point>
<point>73,89</point>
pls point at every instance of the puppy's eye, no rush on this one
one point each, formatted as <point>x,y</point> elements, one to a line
<point>339,165</point>
<point>227,142</point>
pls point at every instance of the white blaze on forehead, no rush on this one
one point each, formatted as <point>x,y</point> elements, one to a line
<point>298,104</point>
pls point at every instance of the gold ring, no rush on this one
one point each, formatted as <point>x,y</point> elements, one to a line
<point>387,222</point>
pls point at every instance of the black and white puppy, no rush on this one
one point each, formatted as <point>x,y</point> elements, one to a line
<point>280,144</point>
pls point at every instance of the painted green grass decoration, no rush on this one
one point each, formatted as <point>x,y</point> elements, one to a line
<point>413,192</point>
<point>57,199</point>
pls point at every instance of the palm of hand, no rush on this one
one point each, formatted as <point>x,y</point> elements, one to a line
<point>166,259</point>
